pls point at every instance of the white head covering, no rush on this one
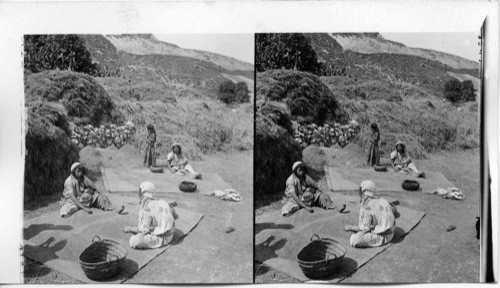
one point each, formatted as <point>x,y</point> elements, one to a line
<point>75,165</point>
<point>148,189</point>
<point>400,143</point>
<point>176,144</point>
<point>296,164</point>
<point>368,190</point>
<point>368,185</point>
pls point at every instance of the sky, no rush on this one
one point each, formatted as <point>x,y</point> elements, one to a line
<point>239,46</point>
<point>461,44</point>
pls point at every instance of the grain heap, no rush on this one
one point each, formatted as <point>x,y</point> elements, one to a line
<point>327,135</point>
<point>104,136</point>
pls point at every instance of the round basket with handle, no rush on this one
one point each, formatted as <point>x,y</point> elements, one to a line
<point>321,258</point>
<point>102,259</point>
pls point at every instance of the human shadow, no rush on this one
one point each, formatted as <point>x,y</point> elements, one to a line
<point>265,250</point>
<point>34,229</point>
<point>269,225</point>
<point>41,253</point>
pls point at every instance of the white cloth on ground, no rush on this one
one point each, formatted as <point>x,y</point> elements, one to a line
<point>450,193</point>
<point>226,194</point>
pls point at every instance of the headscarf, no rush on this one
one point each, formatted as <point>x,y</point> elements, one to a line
<point>150,127</point>
<point>296,165</point>
<point>369,191</point>
<point>148,189</point>
<point>179,145</point>
<point>400,143</point>
<point>403,154</point>
<point>74,166</point>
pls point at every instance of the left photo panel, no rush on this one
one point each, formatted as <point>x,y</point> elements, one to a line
<point>138,158</point>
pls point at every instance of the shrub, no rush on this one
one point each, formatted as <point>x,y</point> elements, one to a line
<point>291,51</point>
<point>49,150</point>
<point>456,91</point>
<point>64,52</point>
<point>230,92</point>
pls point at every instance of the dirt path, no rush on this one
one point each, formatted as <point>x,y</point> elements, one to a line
<point>428,253</point>
<point>216,256</point>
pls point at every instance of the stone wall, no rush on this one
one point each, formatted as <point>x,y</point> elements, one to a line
<point>327,135</point>
<point>104,136</point>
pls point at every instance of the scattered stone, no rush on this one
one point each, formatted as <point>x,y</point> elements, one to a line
<point>451,228</point>
<point>230,229</point>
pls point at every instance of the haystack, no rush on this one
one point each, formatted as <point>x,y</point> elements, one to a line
<point>84,99</point>
<point>49,150</point>
<point>307,97</point>
<point>275,153</point>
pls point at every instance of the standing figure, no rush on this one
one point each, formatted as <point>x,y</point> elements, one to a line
<point>303,192</point>
<point>150,157</point>
<point>81,193</point>
<point>156,220</point>
<point>373,152</point>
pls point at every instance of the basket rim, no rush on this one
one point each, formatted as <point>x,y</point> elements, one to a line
<point>106,241</point>
<point>327,240</point>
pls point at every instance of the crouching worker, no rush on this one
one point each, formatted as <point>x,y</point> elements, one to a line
<point>81,193</point>
<point>156,220</point>
<point>377,220</point>
<point>303,192</point>
<point>177,163</point>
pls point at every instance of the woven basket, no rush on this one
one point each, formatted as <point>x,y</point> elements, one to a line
<point>321,258</point>
<point>102,259</point>
<point>156,169</point>
<point>410,185</point>
<point>187,186</point>
<point>380,168</point>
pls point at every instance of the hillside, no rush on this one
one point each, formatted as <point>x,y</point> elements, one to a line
<point>370,56</point>
<point>140,58</point>
<point>148,44</point>
<point>375,43</point>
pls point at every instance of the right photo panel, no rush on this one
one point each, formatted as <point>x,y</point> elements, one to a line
<point>367,157</point>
